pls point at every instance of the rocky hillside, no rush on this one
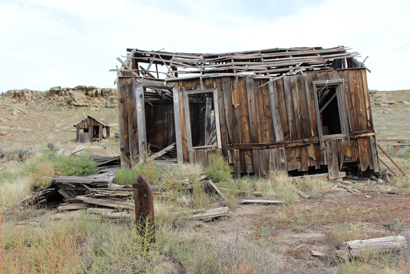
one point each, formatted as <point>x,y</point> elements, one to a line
<point>79,96</point>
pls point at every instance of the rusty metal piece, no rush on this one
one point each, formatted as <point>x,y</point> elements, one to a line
<point>144,206</point>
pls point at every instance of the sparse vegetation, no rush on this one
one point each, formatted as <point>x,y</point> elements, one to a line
<point>249,240</point>
<point>218,169</point>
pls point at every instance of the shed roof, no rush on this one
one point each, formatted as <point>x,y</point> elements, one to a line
<point>99,121</point>
<point>263,63</point>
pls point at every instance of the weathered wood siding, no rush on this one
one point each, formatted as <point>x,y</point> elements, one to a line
<point>273,126</point>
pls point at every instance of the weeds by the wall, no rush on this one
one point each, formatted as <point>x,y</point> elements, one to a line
<point>218,169</point>
<point>125,176</point>
<point>150,171</point>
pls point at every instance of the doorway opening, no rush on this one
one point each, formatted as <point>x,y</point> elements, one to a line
<point>329,111</point>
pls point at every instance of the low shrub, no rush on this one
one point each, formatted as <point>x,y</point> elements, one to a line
<point>74,166</point>
<point>218,169</point>
<point>125,176</point>
<point>150,171</point>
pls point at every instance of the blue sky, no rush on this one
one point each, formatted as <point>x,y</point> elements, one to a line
<point>45,43</point>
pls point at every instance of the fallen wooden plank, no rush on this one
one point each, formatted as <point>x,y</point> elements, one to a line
<point>316,176</point>
<point>162,152</point>
<point>242,191</point>
<point>361,248</point>
<point>77,180</point>
<point>216,189</point>
<point>109,213</point>
<point>68,194</point>
<point>106,202</point>
<point>388,156</point>
<point>211,213</point>
<point>264,202</point>
<point>317,254</point>
<point>74,206</point>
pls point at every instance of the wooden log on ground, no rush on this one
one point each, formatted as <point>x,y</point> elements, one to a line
<point>262,202</point>
<point>109,213</point>
<point>106,202</point>
<point>211,213</point>
<point>216,189</point>
<point>74,206</point>
<point>361,248</point>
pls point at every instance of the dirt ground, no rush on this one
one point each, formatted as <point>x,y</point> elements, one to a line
<point>292,230</point>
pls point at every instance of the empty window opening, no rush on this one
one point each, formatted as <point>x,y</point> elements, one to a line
<point>202,119</point>
<point>329,111</point>
<point>96,132</point>
<point>85,130</point>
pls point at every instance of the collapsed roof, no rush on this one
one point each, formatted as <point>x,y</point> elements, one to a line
<point>267,63</point>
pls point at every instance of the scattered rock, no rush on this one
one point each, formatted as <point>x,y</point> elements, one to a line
<point>380,181</point>
<point>399,184</point>
<point>373,182</point>
<point>15,113</point>
<point>372,177</point>
<point>317,254</point>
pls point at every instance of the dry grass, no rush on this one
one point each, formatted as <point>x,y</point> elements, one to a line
<point>378,210</point>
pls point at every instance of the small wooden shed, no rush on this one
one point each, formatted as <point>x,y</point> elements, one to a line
<point>91,129</point>
<point>302,110</point>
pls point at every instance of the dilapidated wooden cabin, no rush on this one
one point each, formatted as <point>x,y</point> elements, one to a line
<point>303,110</point>
<point>91,130</point>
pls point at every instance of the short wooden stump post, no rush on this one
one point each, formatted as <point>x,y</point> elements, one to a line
<point>144,207</point>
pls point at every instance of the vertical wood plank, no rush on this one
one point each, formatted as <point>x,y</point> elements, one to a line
<point>302,158</point>
<point>177,120</point>
<point>256,165</point>
<point>184,136</point>
<point>217,117</point>
<point>227,97</point>
<point>208,123</point>
<point>310,77</point>
<point>237,109</point>
<point>274,109</point>
<point>250,88</point>
<point>289,108</point>
<point>363,153</point>
<point>237,164</point>
<point>264,162</point>
<point>304,107</point>
<point>142,141</point>
<point>283,117</point>
<point>375,158</point>
<point>122,123</point>
<point>224,135</point>
<point>367,99</point>
<point>296,106</point>
<point>132,121</point>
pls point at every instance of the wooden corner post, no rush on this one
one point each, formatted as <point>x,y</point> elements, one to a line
<point>144,207</point>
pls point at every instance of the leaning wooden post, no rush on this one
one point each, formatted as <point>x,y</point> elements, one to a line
<point>144,207</point>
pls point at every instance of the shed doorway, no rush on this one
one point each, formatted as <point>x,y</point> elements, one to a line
<point>96,132</point>
<point>329,111</point>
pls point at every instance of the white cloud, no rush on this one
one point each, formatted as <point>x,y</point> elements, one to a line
<point>52,42</point>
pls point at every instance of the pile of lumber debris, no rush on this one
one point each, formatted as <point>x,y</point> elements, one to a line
<point>96,194</point>
<point>106,164</point>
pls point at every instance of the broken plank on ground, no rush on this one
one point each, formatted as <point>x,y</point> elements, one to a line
<point>74,206</point>
<point>106,202</point>
<point>211,213</point>
<point>109,213</point>
<point>263,202</point>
